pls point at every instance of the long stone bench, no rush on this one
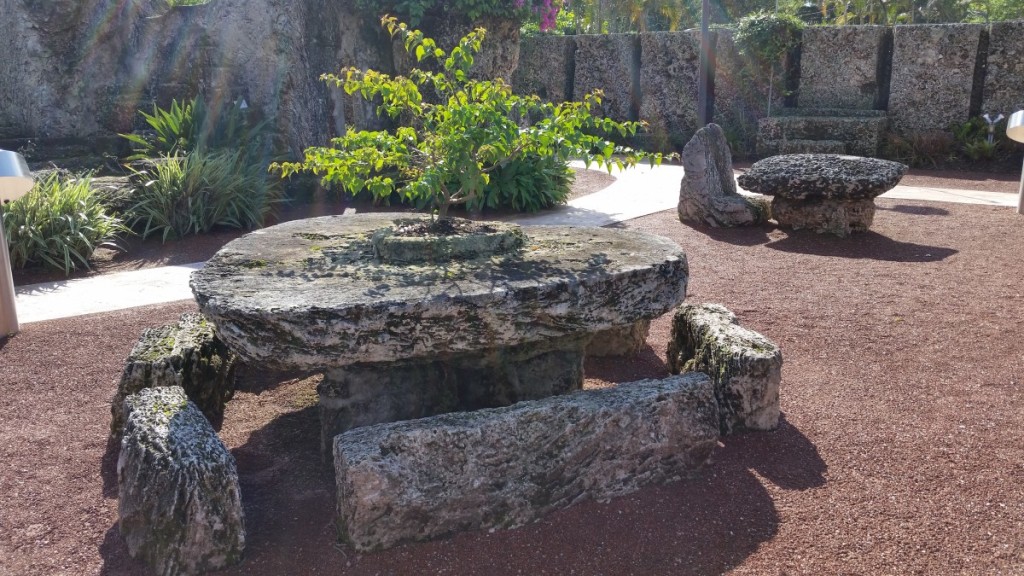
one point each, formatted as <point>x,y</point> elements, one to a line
<point>504,467</point>
<point>179,503</point>
<point>746,367</point>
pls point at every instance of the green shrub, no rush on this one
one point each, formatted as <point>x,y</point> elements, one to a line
<point>527,184</point>
<point>59,224</point>
<point>458,143</point>
<point>180,195</point>
<point>767,37</point>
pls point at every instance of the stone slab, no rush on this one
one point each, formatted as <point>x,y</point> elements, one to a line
<point>933,69</point>
<point>822,176</point>
<point>669,71</point>
<point>504,467</point>
<point>179,505</point>
<point>839,66</point>
<point>309,295</point>
<point>608,62</point>
<point>746,367</point>
<point>545,67</point>
<point>1004,72</point>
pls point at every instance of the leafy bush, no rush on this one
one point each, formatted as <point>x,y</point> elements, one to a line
<point>926,149</point>
<point>527,184</point>
<point>180,195</point>
<point>459,142</point>
<point>767,37</point>
<point>59,223</point>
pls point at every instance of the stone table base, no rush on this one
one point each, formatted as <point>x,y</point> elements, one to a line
<point>839,217</point>
<point>372,393</point>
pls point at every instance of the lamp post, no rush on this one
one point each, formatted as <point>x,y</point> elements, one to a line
<point>15,181</point>
<point>1015,131</point>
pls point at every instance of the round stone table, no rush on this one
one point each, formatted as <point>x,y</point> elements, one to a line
<point>399,340</point>
<point>823,192</point>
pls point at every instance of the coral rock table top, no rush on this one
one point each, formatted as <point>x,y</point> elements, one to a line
<point>312,294</point>
<point>822,176</point>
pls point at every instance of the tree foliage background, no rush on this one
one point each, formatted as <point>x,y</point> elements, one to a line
<point>602,16</point>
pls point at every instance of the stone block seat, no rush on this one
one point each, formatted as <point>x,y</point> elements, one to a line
<point>505,467</point>
<point>823,192</point>
<point>179,505</point>
<point>745,367</point>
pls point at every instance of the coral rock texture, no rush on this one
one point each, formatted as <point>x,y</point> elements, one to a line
<point>504,467</point>
<point>746,367</point>
<point>707,193</point>
<point>180,508</point>
<point>187,354</point>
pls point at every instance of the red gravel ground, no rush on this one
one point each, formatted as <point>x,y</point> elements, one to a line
<point>900,450</point>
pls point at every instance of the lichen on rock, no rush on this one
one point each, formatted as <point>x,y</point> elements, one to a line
<point>179,503</point>
<point>746,367</point>
<point>187,354</point>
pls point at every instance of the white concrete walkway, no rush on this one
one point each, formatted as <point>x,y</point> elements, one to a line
<point>636,192</point>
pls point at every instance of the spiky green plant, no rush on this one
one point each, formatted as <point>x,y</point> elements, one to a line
<point>59,224</point>
<point>181,195</point>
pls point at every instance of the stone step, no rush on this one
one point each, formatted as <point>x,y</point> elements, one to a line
<point>862,136</point>
<point>812,147</point>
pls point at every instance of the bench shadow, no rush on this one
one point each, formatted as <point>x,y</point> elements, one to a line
<point>864,245</point>
<point>915,210</point>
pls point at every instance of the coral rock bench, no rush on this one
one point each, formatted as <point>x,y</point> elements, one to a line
<point>746,367</point>
<point>179,506</point>
<point>823,192</point>
<point>504,467</point>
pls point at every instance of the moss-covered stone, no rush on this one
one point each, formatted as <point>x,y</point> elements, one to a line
<point>187,354</point>
<point>746,367</point>
<point>179,505</point>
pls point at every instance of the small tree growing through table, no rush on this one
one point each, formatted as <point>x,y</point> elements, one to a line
<point>444,159</point>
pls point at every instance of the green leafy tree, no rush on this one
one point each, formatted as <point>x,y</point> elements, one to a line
<point>447,155</point>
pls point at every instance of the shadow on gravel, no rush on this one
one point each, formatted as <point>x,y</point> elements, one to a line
<point>740,236</point>
<point>915,210</point>
<point>866,245</point>
<point>784,456</point>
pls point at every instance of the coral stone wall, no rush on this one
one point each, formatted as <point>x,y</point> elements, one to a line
<point>933,75</point>
<point>839,66</point>
<point>1004,73</point>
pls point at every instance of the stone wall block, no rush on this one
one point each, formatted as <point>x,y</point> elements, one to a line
<point>933,69</point>
<point>611,63</point>
<point>545,67</point>
<point>504,467</point>
<point>669,72</point>
<point>839,66</point>
<point>1004,74</point>
<point>741,98</point>
<point>746,367</point>
<point>179,503</point>
<point>187,354</point>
